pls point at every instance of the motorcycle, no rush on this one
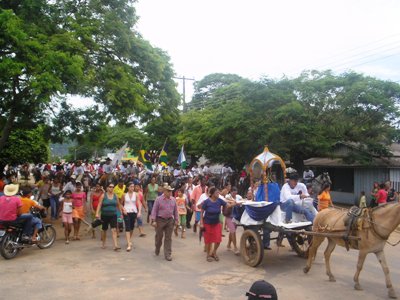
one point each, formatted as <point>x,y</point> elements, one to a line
<point>12,241</point>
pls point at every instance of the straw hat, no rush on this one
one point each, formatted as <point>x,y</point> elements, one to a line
<point>167,187</point>
<point>11,189</point>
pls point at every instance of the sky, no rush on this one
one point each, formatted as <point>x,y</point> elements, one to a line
<point>257,38</point>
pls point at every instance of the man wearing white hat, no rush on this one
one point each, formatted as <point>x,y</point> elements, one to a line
<point>10,205</point>
<point>164,216</point>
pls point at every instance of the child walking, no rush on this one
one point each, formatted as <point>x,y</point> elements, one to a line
<point>182,211</point>
<point>66,214</point>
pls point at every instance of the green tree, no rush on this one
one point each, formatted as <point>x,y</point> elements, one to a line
<point>298,118</point>
<point>50,49</point>
<point>25,146</point>
<point>205,89</point>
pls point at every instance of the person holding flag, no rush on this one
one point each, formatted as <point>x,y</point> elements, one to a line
<point>146,160</point>
<point>182,159</point>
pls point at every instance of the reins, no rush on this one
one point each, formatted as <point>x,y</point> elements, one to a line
<point>373,224</point>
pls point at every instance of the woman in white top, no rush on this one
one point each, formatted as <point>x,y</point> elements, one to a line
<point>132,209</point>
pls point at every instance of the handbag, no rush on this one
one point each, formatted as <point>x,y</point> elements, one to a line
<point>227,211</point>
<point>96,223</point>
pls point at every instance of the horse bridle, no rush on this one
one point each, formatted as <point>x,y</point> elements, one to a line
<point>373,224</point>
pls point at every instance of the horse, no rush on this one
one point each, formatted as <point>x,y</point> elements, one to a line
<point>373,232</point>
<point>319,181</point>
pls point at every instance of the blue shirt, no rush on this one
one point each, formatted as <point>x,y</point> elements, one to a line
<point>212,210</point>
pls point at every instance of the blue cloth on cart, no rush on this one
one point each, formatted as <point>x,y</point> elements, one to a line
<point>260,213</point>
<point>274,194</point>
<point>260,195</point>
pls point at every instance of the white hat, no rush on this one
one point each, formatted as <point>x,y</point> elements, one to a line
<point>11,189</point>
<point>167,187</point>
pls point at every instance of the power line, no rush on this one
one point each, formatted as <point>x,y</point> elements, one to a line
<point>363,46</point>
<point>361,56</point>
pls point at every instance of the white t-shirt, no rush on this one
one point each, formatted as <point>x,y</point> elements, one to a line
<point>206,170</point>
<point>308,174</point>
<point>237,198</point>
<point>202,198</point>
<point>67,207</point>
<point>288,193</point>
<point>177,172</point>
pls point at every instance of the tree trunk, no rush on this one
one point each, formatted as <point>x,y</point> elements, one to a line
<point>298,164</point>
<point>5,133</point>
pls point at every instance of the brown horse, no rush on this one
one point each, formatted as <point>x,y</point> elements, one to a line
<point>374,228</point>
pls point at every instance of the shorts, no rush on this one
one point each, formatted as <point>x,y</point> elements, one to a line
<point>231,226</point>
<point>182,220</point>
<point>108,220</point>
<point>198,215</point>
<point>67,218</point>
<point>46,203</point>
<point>129,220</point>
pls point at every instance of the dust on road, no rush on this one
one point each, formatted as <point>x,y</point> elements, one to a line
<point>82,270</point>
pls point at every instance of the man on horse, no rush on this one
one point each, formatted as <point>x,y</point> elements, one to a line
<point>291,194</point>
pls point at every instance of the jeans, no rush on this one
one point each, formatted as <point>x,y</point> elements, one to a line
<point>36,223</point>
<point>189,215</point>
<point>26,219</point>
<point>150,204</point>
<point>54,204</point>
<point>289,207</point>
<point>266,238</point>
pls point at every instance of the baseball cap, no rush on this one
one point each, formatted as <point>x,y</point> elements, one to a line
<point>262,290</point>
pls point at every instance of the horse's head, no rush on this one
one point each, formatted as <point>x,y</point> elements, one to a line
<point>326,177</point>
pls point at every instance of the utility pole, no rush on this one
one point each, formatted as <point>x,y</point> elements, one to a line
<point>183,78</point>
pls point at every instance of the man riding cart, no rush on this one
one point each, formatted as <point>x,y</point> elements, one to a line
<point>279,206</point>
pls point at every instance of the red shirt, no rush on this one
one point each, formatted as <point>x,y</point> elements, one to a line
<point>381,196</point>
<point>2,184</point>
<point>9,207</point>
<point>95,200</point>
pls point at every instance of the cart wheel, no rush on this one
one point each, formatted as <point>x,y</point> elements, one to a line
<point>300,242</point>
<point>251,248</point>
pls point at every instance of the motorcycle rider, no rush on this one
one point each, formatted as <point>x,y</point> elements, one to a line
<point>10,209</point>
<point>27,204</point>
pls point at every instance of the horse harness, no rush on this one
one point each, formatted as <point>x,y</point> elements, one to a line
<point>353,222</point>
<point>374,231</point>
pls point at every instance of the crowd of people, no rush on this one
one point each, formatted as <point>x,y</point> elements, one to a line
<point>125,196</point>
<point>120,197</point>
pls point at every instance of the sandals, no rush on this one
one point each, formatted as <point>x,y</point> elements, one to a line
<point>215,256</point>
<point>129,248</point>
<point>210,258</point>
<point>117,248</point>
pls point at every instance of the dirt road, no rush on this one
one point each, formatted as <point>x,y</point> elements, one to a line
<point>82,270</point>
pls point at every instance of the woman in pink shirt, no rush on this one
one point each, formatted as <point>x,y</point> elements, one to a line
<point>78,212</point>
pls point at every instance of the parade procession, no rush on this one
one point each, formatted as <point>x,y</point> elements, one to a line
<point>206,149</point>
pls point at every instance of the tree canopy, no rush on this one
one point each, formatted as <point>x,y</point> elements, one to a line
<point>51,49</point>
<point>298,118</point>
